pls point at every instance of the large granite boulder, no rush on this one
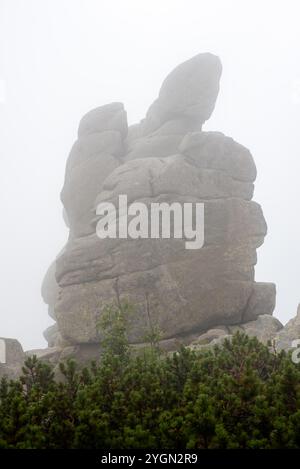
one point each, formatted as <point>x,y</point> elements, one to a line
<point>165,158</point>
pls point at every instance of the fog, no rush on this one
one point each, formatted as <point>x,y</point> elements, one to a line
<point>61,58</point>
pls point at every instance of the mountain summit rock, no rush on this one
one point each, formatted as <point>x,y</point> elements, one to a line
<point>167,157</point>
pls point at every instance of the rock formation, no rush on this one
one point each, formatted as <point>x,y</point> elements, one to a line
<point>196,297</point>
<point>265,328</point>
<point>289,333</point>
<point>167,157</point>
<point>11,358</point>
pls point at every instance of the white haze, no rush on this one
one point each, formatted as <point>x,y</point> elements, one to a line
<point>60,58</point>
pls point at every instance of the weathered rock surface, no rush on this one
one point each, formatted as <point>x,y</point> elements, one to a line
<point>284,339</point>
<point>165,158</point>
<point>189,92</point>
<point>266,328</point>
<point>11,358</point>
<point>94,156</point>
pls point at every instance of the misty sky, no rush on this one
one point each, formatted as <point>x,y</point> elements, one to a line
<point>61,58</point>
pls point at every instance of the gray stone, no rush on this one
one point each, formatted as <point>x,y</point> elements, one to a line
<point>11,358</point>
<point>264,328</point>
<point>202,344</point>
<point>81,187</point>
<point>51,356</point>
<point>108,142</point>
<point>109,117</point>
<point>13,351</point>
<point>50,287</point>
<point>164,158</point>
<point>53,337</point>
<point>289,333</point>
<point>261,302</point>
<point>213,150</point>
<point>209,336</point>
<point>154,147</point>
<point>189,91</point>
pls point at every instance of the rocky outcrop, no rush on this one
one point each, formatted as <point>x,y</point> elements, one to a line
<point>265,328</point>
<point>197,297</point>
<point>167,157</point>
<point>11,358</point>
<point>290,333</point>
